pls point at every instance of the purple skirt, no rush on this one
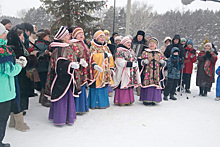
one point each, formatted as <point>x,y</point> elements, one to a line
<point>63,111</point>
<point>150,94</point>
<point>124,96</point>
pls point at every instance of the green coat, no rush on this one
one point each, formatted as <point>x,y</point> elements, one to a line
<point>7,83</point>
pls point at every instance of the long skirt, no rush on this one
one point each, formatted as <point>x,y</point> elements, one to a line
<point>124,96</point>
<point>81,102</point>
<point>98,98</point>
<point>63,111</point>
<point>150,94</point>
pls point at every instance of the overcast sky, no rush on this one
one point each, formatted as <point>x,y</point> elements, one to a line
<point>10,7</point>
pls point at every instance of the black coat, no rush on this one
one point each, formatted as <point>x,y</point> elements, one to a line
<point>167,52</point>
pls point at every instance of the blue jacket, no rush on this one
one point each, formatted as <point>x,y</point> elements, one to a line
<point>218,83</point>
<point>174,65</point>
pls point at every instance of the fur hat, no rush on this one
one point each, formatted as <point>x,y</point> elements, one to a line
<point>63,32</point>
<point>42,33</point>
<point>76,31</point>
<point>3,29</point>
<point>190,41</point>
<point>125,39</point>
<point>141,33</point>
<point>153,39</point>
<point>97,34</point>
<point>167,38</point>
<point>5,21</point>
<point>106,31</point>
<point>209,44</point>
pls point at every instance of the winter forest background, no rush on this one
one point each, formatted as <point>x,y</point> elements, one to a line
<point>94,15</point>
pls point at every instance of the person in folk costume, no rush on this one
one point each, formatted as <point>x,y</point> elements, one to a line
<point>101,65</point>
<point>206,63</point>
<point>60,85</point>
<point>10,67</point>
<point>82,52</point>
<point>152,64</point>
<point>21,103</point>
<point>126,75</point>
<point>174,64</point>
<point>190,58</point>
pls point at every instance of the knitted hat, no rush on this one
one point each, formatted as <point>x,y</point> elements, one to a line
<point>5,21</point>
<point>182,40</point>
<point>76,31</point>
<point>190,41</point>
<point>148,34</point>
<point>106,31</point>
<point>63,32</point>
<point>118,38</point>
<point>42,33</point>
<point>125,40</point>
<point>97,34</point>
<point>167,38</point>
<point>153,39</point>
<point>3,29</point>
<point>141,33</point>
<point>209,44</point>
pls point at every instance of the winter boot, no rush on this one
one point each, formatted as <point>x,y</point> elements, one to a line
<point>138,91</point>
<point>201,91</point>
<point>19,122</point>
<point>12,120</point>
<point>44,101</point>
<point>205,91</point>
<point>146,103</point>
<point>188,91</point>
<point>217,98</point>
<point>172,97</point>
<point>165,98</point>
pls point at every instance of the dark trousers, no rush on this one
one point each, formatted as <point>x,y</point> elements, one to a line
<point>171,87</point>
<point>203,90</point>
<point>186,80</point>
<point>4,114</point>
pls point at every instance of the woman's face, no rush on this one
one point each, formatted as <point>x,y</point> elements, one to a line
<point>152,46</point>
<point>128,44</point>
<point>3,36</point>
<point>101,39</point>
<point>66,39</point>
<point>80,36</point>
<point>167,42</point>
<point>207,48</point>
<point>47,38</point>
<point>22,37</point>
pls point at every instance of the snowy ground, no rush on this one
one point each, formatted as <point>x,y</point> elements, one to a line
<point>183,123</point>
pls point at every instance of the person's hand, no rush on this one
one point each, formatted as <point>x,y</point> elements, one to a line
<point>22,61</point>
<point>83,63</point>
<point>98,68</point>
<point>162,62</point>
<point>146,61</point>
<point>134,64</point>
<point>75,65</point>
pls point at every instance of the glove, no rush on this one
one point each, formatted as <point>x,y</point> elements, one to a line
<point>75,65</point>
<point>98,68</point>
<point>134,64</point>
<point>22,61</point>
<point>162,62</point>
<point>192,56</point>
<point>83,62</point>
<point>208,55</point>
<point>146,61</point>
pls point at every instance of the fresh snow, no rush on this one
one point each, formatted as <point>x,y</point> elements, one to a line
<point>193,122</point>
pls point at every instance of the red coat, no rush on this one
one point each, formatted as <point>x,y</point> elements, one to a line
<point>190,58</point>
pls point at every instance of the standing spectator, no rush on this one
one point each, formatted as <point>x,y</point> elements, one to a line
<point>174,64</point>
<point>8,70</point>
<point>183,42</point>
<point>112,39</point>
<point>167,42</point>
<point>190,58</point>
<point>207,59</point>
<point>7,24</point>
